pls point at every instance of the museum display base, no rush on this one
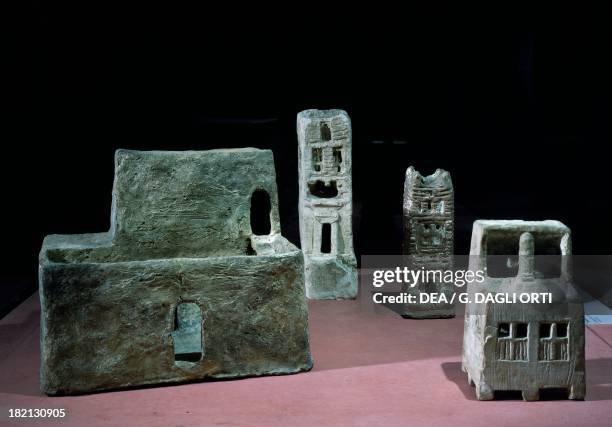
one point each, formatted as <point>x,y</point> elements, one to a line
<point>371,367</point>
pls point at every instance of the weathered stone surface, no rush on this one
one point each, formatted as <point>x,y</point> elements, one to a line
<point>180,288</point>
<point>523,346</point>
<point>326,204</point>
<point>187,337</point>
<point>428,238</point>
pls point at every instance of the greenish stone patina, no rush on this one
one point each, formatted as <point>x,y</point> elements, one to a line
<point>185,285</point>
<point>187,337</point>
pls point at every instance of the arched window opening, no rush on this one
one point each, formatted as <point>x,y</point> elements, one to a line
<point>325,132</point>
<point>326,238</point>
<point>260,213</point>
<point>319,189</point>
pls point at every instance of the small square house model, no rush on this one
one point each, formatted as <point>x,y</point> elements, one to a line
<point>428,238</point>
<point>193,280</point>
<point>326,204</point>
<point>524,346</point>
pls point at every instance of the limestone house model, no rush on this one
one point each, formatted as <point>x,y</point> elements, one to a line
<point>428,237</point>
<point>193,280</point>
<point>325,204</point>
<point>524,347</point>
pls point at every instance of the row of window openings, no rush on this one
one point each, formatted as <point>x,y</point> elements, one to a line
<point>513,341</point>
<point>519,330</point>
<point>431,227</point>
<point>317,159</point>
<point>431,234</point>
<point>431,206</point>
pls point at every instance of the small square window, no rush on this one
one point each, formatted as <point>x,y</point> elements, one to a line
<point>562,330</point>
<point>545,330</point>
<point>503,330</point>
<point>520,330</point>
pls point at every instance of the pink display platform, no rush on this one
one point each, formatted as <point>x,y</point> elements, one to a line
<point>372,368</point>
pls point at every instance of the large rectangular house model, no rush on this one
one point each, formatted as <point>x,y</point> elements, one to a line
<point>193,280</point>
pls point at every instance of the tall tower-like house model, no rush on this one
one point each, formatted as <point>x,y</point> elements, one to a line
<point>325,204</point>
<point>428,237</point>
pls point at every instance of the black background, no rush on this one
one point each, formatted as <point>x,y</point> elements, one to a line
<point>516,104</point>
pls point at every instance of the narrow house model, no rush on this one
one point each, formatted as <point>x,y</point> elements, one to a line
<point>428,238</point>
<point>529,346</point>
<point>325,204</point>
<point>192,281</point>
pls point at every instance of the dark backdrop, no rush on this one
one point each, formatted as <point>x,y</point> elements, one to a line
<point>519,114</point>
